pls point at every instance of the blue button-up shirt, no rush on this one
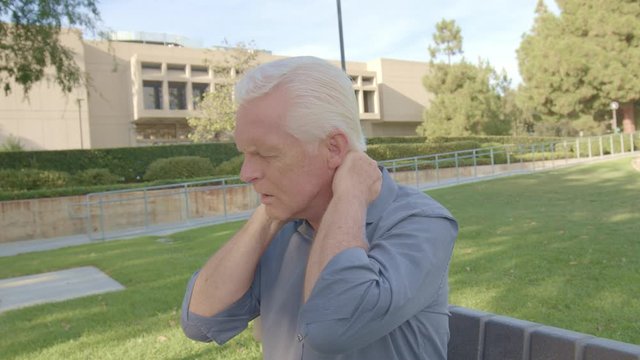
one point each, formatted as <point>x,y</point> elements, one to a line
<point>389,302</point>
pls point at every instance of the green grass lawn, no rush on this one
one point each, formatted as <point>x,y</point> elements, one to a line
<point>560,248</point>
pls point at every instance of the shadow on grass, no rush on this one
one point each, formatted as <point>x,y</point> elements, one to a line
<point>559,247</point>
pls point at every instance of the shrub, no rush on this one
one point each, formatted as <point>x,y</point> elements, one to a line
<point>513,140</point>
<point>382,152</point>
<point>396,140</point>
<point>32,179</point>
<point>179,167</point>
<point>230,167</point>
<point>92,177</point>
<point>12,144</point>
<point>129,162</point>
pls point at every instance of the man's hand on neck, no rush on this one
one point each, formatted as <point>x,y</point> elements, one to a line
<point>357,182</point>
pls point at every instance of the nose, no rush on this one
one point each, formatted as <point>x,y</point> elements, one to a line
<point>249,172</point>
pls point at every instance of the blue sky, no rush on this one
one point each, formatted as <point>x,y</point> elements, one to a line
<point>399,29</point>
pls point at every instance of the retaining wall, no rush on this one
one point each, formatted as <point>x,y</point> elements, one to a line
<point>477,335</point>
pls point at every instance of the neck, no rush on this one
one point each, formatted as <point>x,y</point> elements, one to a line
<point>318,209</point>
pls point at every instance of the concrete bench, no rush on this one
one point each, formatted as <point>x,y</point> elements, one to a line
<point>477,335</point>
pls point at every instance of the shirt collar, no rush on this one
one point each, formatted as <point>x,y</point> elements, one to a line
<point>388,192</point>
<point>305,229</point>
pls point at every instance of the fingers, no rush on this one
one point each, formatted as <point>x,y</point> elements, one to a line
<point>358,176</point>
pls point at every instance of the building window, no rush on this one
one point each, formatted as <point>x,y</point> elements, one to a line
<point>151,68</point>
<point>198,91</point>
<point>177,96</point>
<point>199,71</point>
<point>176,70</point>
<point>369,101</point>
<point>367,81</point>
<point>152,92</point>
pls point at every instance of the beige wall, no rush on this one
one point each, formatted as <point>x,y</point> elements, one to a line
<point>403,98</point>
<point>110,107</point>
<point>47,119</point>
<point>377,129</point>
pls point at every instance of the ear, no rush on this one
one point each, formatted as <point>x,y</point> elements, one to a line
<point>337,145</point>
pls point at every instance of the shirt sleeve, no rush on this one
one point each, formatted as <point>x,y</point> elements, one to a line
<point>226,324</point>
<point>360,297</point>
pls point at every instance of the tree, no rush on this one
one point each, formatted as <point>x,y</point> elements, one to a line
<point>216,111</point>
<point>575,63</point>
<point>468,101</point>
<point>30,41</point>
<point>447,40</point>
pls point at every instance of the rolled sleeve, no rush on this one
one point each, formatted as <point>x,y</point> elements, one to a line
<point>361,296</point>
<point>222,326</point>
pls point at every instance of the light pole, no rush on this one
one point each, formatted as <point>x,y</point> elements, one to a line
<point>344,67</point>
<point>614,121</point>
<point>80,122</point>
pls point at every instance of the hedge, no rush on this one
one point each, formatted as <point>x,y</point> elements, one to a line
<point>607,141</point>
<point>129,163</point>
<point>83,190</point>
<point>396,140</point>
<point>32,179</point>
<point>230,167</point>
<point>92,177</point>
<point>383,152</point>
<point>505,140</point>
<point>187,167</point>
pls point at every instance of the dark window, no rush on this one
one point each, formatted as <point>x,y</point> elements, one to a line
<point>176,69</point>
<point>198,90</point>
<point>199,71</point>
<point>151,68</point>
<point>369,101</point>
<point>152,94</point>
<point>177,96</point>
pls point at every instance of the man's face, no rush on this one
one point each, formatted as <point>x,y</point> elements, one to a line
<point>292,178</point>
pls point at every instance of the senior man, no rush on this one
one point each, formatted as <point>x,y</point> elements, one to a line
<point>339,261</point>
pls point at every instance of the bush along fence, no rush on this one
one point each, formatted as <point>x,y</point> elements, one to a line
<point>109,214</point>
<point>455,167</point>
<point>128,163</point>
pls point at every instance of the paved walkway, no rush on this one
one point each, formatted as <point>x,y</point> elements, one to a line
<point>54,286</point>
<point>28,246</point>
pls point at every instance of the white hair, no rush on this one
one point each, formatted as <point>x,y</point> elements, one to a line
<point>322,97</point>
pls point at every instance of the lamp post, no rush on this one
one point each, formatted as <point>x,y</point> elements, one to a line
<point>344,67</point>
<point>614,120</point>
<point>80,122</point>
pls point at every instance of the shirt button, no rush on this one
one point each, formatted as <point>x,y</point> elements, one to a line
<point>300,337</point>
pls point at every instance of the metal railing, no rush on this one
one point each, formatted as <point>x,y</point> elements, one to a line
<point>129,212</point>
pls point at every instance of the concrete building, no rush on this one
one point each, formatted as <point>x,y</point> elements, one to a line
<point>143,87</point>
